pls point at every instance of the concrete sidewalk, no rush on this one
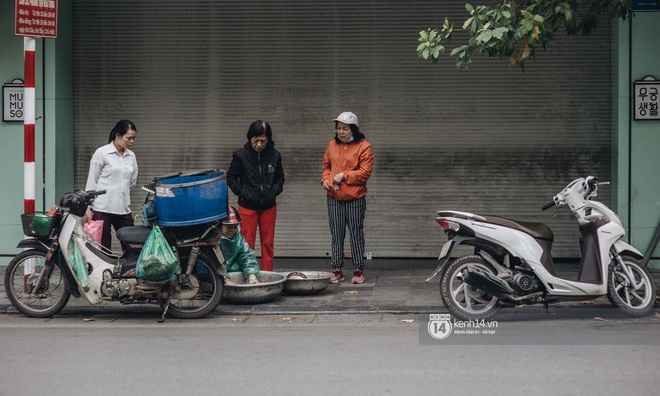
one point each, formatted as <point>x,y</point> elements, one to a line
<point>392,286</point>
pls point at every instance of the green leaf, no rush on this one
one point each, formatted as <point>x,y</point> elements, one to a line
<point>526,14</point>
<point>469,8</point>
<point>422,46</point>
<point>499,32</point>
<point>458,49</point>
<point>433,34</point>
<point>468,23</point>
<point>506,14</point>
<point>424,35</point>
<point>538,18</point>
<point>485,36</point>
<point>425,54</point>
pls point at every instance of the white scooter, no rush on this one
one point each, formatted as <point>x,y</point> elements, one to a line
<point>40,280</point>
<point>512,265</point>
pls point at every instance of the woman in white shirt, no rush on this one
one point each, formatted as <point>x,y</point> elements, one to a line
<point>113,168</point>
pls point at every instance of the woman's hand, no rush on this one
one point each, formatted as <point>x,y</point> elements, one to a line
<point>89,214</point>
<point>339,177</point>
<point>325,185</point>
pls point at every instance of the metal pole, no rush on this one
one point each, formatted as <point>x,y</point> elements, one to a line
<point>28,144</point>
<point>28,125</point>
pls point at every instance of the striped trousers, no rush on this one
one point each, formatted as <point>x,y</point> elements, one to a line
<point>351,214</point>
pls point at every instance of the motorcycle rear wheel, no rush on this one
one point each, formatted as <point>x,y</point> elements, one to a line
<point>623,295</point>
<point>462,300</point>
<point>20,277</point>
<point>208,297</point>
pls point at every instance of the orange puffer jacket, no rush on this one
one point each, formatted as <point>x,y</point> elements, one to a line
<point>355,159</point>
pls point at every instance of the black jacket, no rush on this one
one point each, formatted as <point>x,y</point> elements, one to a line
<point>256,178</point>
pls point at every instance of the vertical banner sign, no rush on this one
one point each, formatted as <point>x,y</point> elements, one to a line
<point>36,18</point>
<point>647,99</point>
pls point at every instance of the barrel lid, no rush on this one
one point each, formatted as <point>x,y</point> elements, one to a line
<point>198,172</point>
<point>202,172</point>
<point>167,176</point>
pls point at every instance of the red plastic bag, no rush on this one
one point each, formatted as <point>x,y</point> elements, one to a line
<point>95,229</point>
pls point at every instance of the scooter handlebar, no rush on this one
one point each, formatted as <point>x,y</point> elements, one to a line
<point>548,205</point>
<point>91,194</point>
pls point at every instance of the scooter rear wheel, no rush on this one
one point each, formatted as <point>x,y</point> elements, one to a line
<point>634,300</point>
<point>208,297</point>
<point>462,300</point>
<point>20,278</point>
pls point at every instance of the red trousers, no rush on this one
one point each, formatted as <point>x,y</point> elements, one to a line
<point>265,219</point>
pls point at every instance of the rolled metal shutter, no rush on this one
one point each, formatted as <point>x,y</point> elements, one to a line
<point>193,75</point>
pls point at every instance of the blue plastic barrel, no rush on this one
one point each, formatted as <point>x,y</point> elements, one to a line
<point>191,198</point>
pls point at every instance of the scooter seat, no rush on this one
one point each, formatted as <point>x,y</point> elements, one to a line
<point>134,234</point>
<point>139,234</point>
<point>536,230</point>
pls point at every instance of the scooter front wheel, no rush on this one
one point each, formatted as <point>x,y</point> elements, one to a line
<point>208,296</point>
<point>634,296</point>
<point>462,300</point>
<point>21,277</point>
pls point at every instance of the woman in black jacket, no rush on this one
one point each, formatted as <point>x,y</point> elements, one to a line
<point>256,176</point>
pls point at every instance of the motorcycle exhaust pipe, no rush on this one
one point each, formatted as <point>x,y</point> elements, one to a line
<point>487,282</point>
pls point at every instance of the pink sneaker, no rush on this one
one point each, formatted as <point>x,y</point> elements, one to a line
<point>358,276</point>
<point>337,277</point>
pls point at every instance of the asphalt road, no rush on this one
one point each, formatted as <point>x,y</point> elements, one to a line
<point>567,352</point>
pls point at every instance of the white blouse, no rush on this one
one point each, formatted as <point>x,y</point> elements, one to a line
<point>117,174</point>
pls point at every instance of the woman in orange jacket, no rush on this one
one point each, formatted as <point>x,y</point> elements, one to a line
<point>347,164</point>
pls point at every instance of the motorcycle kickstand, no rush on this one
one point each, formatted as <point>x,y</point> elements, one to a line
<point>167,305</point>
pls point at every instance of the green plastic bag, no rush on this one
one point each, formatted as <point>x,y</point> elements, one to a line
<point>79,264</point>
<point>157,261</point>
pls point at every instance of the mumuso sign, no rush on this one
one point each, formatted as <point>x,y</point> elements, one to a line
<point>12,101</point>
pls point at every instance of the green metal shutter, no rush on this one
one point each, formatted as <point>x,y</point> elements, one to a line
<point>193,75</point>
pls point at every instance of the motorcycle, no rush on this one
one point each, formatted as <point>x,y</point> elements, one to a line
<point>40,280</point>
<point>511,263</point>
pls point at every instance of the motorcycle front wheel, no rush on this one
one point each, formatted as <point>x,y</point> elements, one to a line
<point>208,296</point>
<point>21,277</point>
<point>634,296</point>
<point>462,300</point>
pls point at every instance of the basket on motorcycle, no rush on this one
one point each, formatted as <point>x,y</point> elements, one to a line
<point>191,198</point>
<point>39,224</point>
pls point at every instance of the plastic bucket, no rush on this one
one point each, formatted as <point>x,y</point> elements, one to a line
<point>191,198</point>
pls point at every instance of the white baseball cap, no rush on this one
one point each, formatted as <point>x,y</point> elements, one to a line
<point>347,118</point>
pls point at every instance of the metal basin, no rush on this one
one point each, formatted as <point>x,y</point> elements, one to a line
<point>243,293</point>
<point>306,282</point>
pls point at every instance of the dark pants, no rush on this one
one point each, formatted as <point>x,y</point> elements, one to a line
<point>351,214</point>
<point>114,220</point>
